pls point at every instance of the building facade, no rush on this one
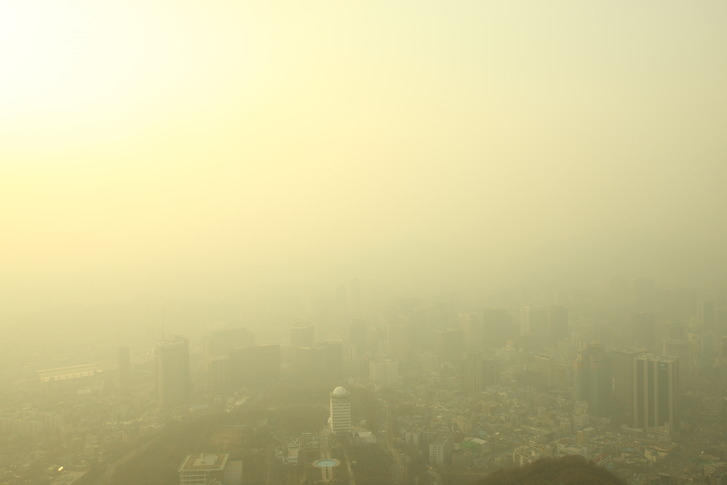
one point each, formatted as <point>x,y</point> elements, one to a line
<point>339,420</point>
<point>172,372</point>
<point>656,391</point>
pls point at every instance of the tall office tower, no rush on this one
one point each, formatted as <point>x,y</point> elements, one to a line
<point>558,322</point>
<point>172,369</point>
<point>355,299</point>
<point>477,372</point>
<point>302,336</point>
<point>622,361</point>
<point>339,419</point>
<point>656,391</point>
<point>332,359</point>
<point>706,316</point>
<point>218,375</point>
<point>643,330</point>
<point>221,342</point>
<point>471,374</point>
<point>534,321</point>
<point>449,345</point>
<point>384,373</point>
<point>644,296</point>
<point>491,372</point>
<point>592,375</point>
<point>497,327</point>
<point>260,363</point>
<point>324,361</point>
<point>676,332</point>
<point>124,363</point>
<point>397,345</point>
<point>535,324</point>
<point>562,375</point>
<point>357,340</point>
<point>473,331</point>
<point>682,350</point>
<point>543,369</point>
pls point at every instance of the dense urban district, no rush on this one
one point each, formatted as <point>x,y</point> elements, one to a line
<point>434,390</point>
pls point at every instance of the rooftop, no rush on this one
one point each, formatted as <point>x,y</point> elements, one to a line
<point>340,391</point>
<point>204,462</point>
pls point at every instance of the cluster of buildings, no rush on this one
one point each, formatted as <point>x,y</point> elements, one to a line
<point>456,387</point>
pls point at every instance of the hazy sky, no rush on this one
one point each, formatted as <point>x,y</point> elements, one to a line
<point>154,148</point>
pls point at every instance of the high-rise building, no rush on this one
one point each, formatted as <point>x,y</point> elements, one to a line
<point>535,321</point>
<point>682,350</point>
<point>339,420</point>
<point>357,341</point>
<point>254,364</point>
<point>396,339</point>
<point>644,295</point>
<point>543,369</point>
<point>559,328</point>
<point>622,365</point>
<point>385,373</point>
<point>656,391</point>
<point>449,345</point>
<point>643,330</point>
<point>497,327</point>
<point>218,375</point>
<point>172,372</point>
<point>302,336</point>
<point>221,342</point>
<point>477,372</point>
<point>706,316</point>
<point>323,361</point>
<point>592,375</point>
<point>473,331</point>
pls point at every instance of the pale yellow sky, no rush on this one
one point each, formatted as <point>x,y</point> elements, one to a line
<point>152,146</point>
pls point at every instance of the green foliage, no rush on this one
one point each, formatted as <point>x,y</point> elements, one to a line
<point>567,470</point>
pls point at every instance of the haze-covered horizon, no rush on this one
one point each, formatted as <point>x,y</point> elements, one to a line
<point>214,153</point>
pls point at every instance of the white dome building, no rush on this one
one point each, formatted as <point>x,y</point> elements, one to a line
<point>339,420</point>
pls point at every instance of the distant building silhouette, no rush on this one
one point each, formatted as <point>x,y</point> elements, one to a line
<point>592,374</point>
<point>622,360</point>
<point>559,328</point>
<point>397,347</point>
<point>477,372</point>
<point>543,370</point>
<point>322,361</point>
<point>644,296</point>
<point>497,327</point>
<point>643,330</point>
<point>449,345</point>
<point>706,320</point>
<point>302,336</point>
<point>384,373</point>
<point>218,375</point>
<point>535,321</point>
<point>682,350</point>
<point>254,364</point>
<point>357,340</point>
<point>172,372</point>
<point>221,342</point>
